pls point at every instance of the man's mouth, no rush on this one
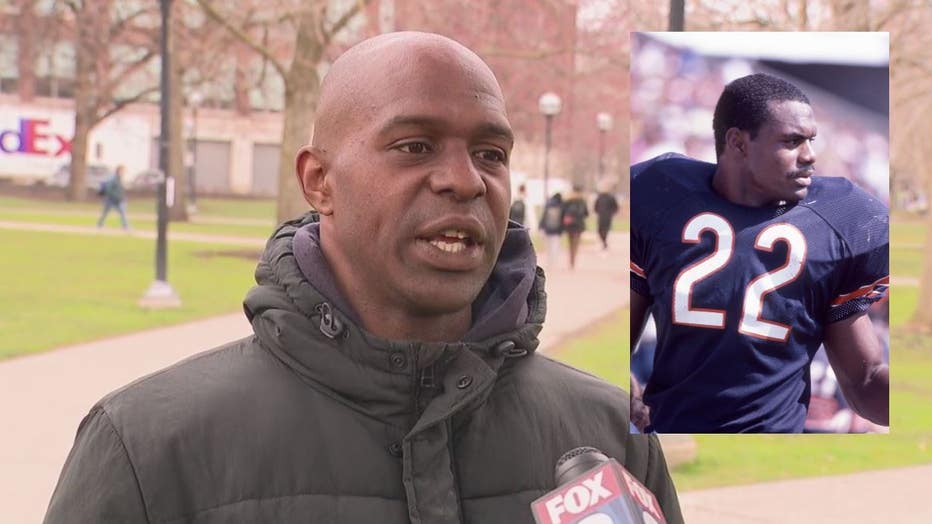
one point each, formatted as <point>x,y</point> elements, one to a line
<point>452,241</point>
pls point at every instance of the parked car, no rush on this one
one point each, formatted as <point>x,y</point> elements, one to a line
<point>96,173</point>
<point>146,180</point>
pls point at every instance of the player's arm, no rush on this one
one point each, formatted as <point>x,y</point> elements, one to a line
<point>640,414</point>
<point>857,358</point>
<point>639,308</point>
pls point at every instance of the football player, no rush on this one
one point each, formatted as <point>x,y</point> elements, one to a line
<point>748,265</point>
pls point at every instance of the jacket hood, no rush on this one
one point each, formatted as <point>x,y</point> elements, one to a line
<point>301,317</point>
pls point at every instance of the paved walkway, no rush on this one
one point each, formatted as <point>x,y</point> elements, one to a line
<point>896,496</point>
<point>44,397</point>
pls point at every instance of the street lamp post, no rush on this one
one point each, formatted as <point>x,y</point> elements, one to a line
<point>195,99</point>
<point>160,293</point>
<point>550,105</point>
<point>604,122</point>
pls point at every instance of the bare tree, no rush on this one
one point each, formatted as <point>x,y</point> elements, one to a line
<point>314,27</point>
<point>101,74</point>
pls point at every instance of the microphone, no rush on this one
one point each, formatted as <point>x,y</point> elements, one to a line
<point>595,489</point>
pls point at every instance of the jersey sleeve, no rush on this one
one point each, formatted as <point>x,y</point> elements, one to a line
<point>638,251</point>
<point>866,273</point>
<point>638,275</point>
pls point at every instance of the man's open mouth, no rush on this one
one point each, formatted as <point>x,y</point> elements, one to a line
<point>451,241</point>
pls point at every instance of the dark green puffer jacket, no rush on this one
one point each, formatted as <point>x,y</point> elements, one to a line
<point>313,419</point>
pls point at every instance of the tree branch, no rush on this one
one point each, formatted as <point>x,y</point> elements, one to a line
<point>344,19</point>
<point>120,104</point>
<point>118,78</point>
<point>242,37</point>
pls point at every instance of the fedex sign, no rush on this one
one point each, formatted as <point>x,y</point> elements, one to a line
<point>33,137</point>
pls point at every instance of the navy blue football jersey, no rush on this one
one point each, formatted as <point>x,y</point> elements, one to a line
<point>741,295</point>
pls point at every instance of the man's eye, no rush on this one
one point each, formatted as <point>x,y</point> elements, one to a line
<point>492,155</point>
<point>415,148</point>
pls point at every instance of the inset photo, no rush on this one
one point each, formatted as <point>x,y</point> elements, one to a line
<point>760,232</point>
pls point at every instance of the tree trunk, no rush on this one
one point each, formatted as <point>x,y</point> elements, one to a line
<point>178,212</point>
<point>302,85</point>
<point>76,189</point>
<point>300,106</point>
<point>26,52</point>
<point>83,114</point>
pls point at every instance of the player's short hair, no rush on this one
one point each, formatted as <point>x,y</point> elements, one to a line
<point>743,104</point>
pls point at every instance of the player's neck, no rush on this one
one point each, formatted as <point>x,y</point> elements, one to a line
<point>735,187</point>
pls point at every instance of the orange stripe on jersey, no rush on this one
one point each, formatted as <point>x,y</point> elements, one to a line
<point>636,269</point>
<point>861,291</point>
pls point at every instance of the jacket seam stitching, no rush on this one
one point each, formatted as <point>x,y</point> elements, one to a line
<point>129,460</point>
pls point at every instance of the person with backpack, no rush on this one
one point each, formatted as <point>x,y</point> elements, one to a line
<point>575,212</point>
<point>114,196</point>
<point>551,223</point>
<point>518,210</point>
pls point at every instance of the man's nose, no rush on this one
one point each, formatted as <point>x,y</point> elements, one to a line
<point>807,154</point>
<point>458,176</point>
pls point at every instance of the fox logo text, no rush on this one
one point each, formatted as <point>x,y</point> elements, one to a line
<point>578,498</point>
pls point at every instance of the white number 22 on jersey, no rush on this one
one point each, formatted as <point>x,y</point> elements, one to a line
<point>751,322</point>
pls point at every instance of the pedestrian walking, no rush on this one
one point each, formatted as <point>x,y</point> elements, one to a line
<point>114,197</point>
<point>575,212</point>
<point>606,206</point>
<point>518,211</point>
<point>551,223</point>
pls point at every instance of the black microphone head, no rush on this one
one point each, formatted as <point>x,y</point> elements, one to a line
<point>575,462</point>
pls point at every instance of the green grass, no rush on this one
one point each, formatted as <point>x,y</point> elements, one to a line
<point>603,351</point>
<point>906,228</point>
<point>725,460</point>
<point>257,209</point>
<point>136,222</point>
<point>63,289</point>
<point>254,208</point>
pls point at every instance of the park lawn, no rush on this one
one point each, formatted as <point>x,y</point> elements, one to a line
<point>252,208</point>
<point>725,460</point>
<point>145,223</point>
<point>61,289</point>
<point>907,228</point>
<point>602,351</point>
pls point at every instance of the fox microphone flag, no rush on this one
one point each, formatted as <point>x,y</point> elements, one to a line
<point>594,489</point>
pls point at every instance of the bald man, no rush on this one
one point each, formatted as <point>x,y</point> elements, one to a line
<point>392,376</point>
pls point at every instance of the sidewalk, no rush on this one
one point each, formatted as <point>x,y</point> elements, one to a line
<point>895,496</point>
<point>44,397</point>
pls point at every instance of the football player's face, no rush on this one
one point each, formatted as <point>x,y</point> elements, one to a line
<point>780,160</point>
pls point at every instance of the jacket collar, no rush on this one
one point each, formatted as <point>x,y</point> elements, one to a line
<point>318,338</point>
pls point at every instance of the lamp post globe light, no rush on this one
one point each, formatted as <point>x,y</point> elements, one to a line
<point>160,293</point>
<point>604,122</point>
<point>550,105</point>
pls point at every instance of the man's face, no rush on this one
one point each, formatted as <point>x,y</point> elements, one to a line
<point>780,159</point>
<point>421,189</point>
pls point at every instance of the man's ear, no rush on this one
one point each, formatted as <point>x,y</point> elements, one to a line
<point>737,139</point>
<point>312,173</point>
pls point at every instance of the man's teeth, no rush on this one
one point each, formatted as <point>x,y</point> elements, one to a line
<point>449,247</point>
<point>453,233</point>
